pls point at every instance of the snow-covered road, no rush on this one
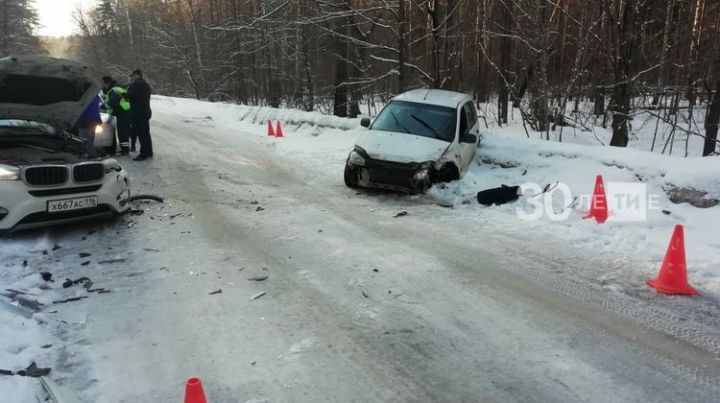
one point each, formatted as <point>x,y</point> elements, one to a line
<point>358,305</point>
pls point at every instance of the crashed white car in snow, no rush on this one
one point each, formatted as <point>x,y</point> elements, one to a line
<point>43,178</point>
<point>420,138</point>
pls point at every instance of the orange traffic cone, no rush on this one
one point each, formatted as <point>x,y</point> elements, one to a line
<point>271,131</point>
<point>598,204</point>
<point>194,391</point>
<point>278,132</point>
<point>672,278</point>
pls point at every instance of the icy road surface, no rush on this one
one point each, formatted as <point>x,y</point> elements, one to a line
<point>359,306</point>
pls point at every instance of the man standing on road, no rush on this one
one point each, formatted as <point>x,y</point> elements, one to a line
<point>139,96</point>
<point>119,107</point>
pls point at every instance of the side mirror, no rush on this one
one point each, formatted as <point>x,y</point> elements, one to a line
<point>469,138</point>
<point>365,122</point>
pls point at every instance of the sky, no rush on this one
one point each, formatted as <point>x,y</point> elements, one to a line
<point>56,16</point>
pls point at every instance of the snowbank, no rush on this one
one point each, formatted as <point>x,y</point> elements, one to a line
<point>226,113</point>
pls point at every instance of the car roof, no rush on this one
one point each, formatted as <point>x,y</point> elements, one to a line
<point>449,99</point>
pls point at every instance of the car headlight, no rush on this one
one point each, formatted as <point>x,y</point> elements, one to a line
<point>356,159</point>
<point>112,165</point>
<point>422,174</point>
<point>9,173</point>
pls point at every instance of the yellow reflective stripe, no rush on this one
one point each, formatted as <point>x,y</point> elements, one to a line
<point>124,103</point>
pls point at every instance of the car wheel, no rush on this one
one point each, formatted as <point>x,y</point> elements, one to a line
<point>351,177</point>
<point>448,173</point>
<point>111,149</point>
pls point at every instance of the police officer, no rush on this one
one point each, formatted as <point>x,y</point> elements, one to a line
<point>139,93</point>
<point>117,105</point>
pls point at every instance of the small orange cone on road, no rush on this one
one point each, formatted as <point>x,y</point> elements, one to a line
<point>278,132</point>
<point>271,131</point>
<point>672,278</point>
<point>598,204</point>
<point>194,391</point>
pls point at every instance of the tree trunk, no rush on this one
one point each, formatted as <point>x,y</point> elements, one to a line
<point>625,45</point>
<point>711,121</point>
<point>340,106</point>
<point>505,53</point>
<point>402,46</point>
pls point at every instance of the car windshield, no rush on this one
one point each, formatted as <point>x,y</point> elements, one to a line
<point>419,119</point>
<point>12,126</point>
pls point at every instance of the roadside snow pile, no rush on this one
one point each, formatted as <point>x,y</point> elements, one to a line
<point>512,159</point>
<point>225,113</point>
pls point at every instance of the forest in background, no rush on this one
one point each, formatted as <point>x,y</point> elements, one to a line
<point>542,57</point>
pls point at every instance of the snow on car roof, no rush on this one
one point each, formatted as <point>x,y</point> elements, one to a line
<point>445,98</point>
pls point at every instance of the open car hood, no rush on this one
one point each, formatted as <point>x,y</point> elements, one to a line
<point>46,90</point>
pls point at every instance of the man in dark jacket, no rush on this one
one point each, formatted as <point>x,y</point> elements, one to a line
<point>139,96</point>
<point>118,106</point>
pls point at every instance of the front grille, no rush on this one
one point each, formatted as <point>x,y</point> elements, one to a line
<point>46,176</point>
<point>60,192</point>
<point>391,174</point>
<point>88,172</point>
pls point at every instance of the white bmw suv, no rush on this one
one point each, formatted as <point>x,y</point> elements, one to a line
<point>44,180</point>
<point>420,138</point>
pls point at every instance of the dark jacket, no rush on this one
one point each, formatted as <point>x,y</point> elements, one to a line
<point>139,93</point>
<point>91,115</point>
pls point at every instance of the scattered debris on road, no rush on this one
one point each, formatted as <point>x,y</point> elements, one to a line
<point>99,290</point>
<point>256,296</point>
<point>258,278</point>
<point>147,197</point>
<point>497,196</point>
<point>33,371</point>
<point>84,254</point>
<point>401,214</point>
<point>46,276</point>
<point>259,209</point>
<point>64,301</point>
<point>111,261</point>
<point>69,283</point>
<point>216,292</point>
<point>23,300</point>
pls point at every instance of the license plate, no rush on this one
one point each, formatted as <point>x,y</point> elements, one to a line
<point>78,203</point>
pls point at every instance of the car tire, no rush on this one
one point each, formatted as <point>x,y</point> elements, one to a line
<point>351,177</point>
<point>111,149</point>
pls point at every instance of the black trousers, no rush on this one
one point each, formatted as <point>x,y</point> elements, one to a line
<point>123,130</point>
<point>141,129</point>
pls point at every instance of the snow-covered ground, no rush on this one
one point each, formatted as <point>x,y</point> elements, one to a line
<point>358,303</point>
<point>507,156</point>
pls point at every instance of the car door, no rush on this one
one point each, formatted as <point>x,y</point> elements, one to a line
<point>469,134</point>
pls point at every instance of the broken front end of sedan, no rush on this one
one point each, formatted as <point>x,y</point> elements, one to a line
<point>420,138</point>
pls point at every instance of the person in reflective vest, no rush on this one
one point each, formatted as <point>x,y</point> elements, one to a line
<point>117,105</point>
